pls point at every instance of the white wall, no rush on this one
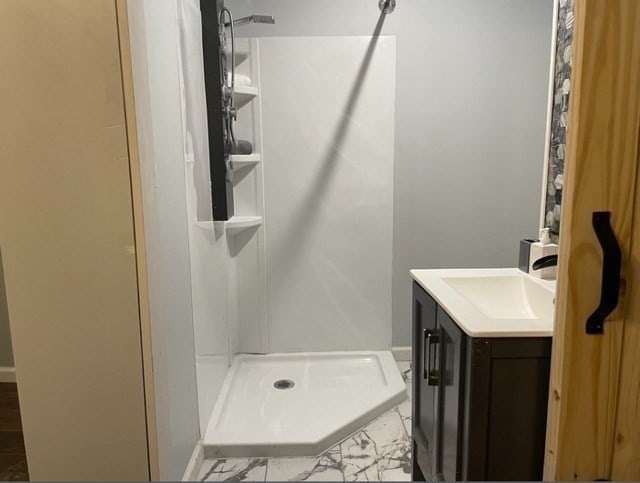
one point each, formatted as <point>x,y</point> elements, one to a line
<point>208,245</point>
<point>156,56</point>
<point>328,141</point>
<point>471,100</point>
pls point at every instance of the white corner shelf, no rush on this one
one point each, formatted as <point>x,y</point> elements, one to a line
<point>241,161</point>
<point>241,53</point>
<point>240,223</point>
<point>209,225</point>
<point>242,95</point>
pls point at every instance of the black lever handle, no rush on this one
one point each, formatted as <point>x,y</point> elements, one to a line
<point>612,261</point>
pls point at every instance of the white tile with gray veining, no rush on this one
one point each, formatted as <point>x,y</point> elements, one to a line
<point>234,469</point>
<point>327,467</point>
<point>392,447</point>
<point>405,414</point>
<point>381,451</point>
<point>405,408</point>
<point>405,370</point>
<point>359,458</point>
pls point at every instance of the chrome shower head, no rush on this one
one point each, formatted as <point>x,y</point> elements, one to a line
<point>267,19</point>
<point>270,19</point>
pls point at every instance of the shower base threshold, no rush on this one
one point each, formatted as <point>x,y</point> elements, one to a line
<point>299,404</point>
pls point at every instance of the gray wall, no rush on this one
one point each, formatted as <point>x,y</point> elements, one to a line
<point>471,102</point>
<point>6,354</point>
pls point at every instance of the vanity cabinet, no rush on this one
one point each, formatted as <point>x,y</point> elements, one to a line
<point>479,404</point>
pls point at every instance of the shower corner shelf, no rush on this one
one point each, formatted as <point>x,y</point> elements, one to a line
<point>241,54</point>
<point>209,225</point>
<point>238,224</point>
<point>243,95</point>
<point>241,161</point>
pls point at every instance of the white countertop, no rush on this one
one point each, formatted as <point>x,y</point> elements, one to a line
<point>537,320</point>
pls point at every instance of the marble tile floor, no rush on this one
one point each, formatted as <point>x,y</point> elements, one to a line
<point>381,451</point>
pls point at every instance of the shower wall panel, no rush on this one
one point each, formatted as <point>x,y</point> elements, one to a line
<point>208,248</point>
<point>328,147</point>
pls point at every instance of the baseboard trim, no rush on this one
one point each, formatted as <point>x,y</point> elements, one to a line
<point>402,353</point>
<point>7,374</point>
<point>192,471</point>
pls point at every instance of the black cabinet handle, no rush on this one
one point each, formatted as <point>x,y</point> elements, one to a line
<point>612,260</point>
<point>430,339</point>
<point>426,333</point>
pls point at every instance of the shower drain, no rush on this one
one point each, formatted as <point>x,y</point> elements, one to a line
<point>284,384</point>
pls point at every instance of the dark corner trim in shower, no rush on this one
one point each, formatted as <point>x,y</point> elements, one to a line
<point>221,185</point>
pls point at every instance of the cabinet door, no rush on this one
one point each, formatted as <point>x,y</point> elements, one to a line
<point>451,403</point>
<point>425,389</point>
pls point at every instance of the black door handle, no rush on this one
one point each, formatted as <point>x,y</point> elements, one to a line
<point>430,339</point>
<point>611,263</point>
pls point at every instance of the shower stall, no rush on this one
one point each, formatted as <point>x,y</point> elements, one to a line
<point>290,253</point>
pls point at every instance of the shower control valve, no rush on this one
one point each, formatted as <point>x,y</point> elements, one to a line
<point>230,112</point>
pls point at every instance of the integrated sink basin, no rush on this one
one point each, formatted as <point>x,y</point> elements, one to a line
<point>505,296</point>
<point>493,302</point>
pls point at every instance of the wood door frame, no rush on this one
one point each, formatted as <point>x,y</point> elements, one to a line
<point>141,254</point>
<point>68,241</point>
<point>601,175</point>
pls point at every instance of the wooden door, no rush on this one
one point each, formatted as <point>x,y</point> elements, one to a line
<point>593,427</point>
<point>67,240</point>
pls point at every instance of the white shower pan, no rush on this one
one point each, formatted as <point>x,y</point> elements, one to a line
<point>333,394</point>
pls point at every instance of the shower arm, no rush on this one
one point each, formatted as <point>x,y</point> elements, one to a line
<point>267,19</point>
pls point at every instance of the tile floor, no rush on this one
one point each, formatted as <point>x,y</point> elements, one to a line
<point>381,451</point>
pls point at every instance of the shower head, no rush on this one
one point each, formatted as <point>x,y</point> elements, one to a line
<point>268,19</point>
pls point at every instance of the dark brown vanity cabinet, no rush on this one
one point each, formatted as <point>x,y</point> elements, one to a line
<point>479,404</point>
